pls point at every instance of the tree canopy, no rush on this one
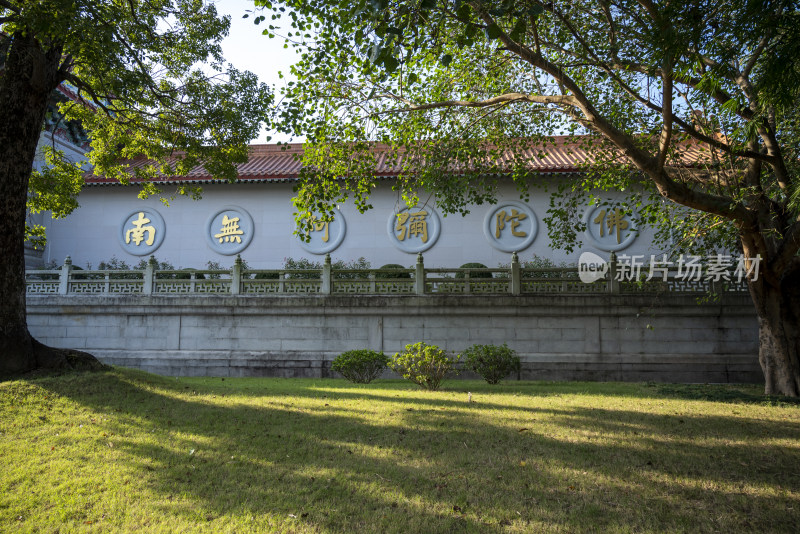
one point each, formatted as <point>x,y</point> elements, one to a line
<point>456,87</point>
<point>147,79</point>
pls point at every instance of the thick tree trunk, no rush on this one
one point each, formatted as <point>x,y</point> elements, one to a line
<point>778,309</point>
<point>29,76</point>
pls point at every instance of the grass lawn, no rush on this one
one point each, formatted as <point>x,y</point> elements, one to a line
<point>125,451</point>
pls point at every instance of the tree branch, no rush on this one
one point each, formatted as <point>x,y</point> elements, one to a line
<point>501,99</point>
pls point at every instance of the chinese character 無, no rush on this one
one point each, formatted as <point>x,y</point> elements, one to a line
<point>503,217</point>
<point>416,225</point>
<point>139,231</point>
<point>230,230</point>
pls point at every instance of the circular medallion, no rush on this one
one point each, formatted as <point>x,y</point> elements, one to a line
<point>142,232</point>
<point>414,229</point>
<point>325,237</point>
<point>229,230</point>
<point>609,227</point>
<point>510,226</point>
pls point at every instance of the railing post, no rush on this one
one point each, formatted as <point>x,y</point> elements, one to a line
<point>63,279</point>
<point>613,283</point>
<point>149,276</point>
<point>107,286</point>
<point>516,284</point>
<point>419,276</point>
<point>326,275</point>
<point>372,288</point>
<point>236,276</point>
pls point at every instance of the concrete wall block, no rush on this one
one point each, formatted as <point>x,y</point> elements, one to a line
<point>557,345</point>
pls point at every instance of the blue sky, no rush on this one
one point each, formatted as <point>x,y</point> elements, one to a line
<point>247,49</point>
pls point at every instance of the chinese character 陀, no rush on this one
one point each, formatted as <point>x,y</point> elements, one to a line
<point>503,217</point>
<point>317,226</point>
<point>417,225</point>
<point>137,234</point>
<point>614,221</point>
<point>230,231</point>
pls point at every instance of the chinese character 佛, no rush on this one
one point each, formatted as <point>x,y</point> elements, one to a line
<point>317,226</point>
<point>137,234</point>
<point>230,230</point>
<point>417,225</point>
<point>615,221</point>
<point>514,219</point>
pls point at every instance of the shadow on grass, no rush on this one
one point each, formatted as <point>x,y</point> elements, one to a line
<point>342,461</point>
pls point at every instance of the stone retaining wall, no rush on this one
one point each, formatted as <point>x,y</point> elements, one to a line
<point>668,338</point>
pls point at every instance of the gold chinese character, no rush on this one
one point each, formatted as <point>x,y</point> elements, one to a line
<point>317,226</point>
<point>514,218</point>
<point>615,221</point>
<point>416,225</point>
<point>138,232</point>
<point>230,230</point>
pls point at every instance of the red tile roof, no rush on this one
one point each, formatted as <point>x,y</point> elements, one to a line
<point>280,163</point>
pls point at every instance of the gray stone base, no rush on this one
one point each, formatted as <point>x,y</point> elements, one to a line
<point>666,338</point>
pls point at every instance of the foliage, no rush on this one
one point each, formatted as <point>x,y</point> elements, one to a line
<point>392,275</point>
<point>492,362</point>
<point>687,109</point>
<point>538,267</point>
<point>150,80</point>
<point>425,365</point>
<point>304,264</point>
<point>360,366</point>
<point>475,274</point>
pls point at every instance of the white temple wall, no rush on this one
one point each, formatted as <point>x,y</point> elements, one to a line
<point>91,234</point>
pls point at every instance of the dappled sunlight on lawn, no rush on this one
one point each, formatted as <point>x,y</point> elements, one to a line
<point>254,455</point>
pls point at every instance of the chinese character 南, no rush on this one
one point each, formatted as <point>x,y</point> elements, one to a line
<point>614,219</point>
<point>230,230</point>
<point>138,232</point>
<point>514,219</point>
<point>416,223</point>
<point>317,226</point>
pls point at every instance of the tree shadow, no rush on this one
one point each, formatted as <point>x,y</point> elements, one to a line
<point>450,466</point>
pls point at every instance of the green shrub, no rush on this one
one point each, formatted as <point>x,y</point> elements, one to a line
<point>187,274</point>
<point>315,267</point>
<point>360,366</point>
<point>392,275</point>
<point>491,362</point>
<point>425,365</point>
<point>478,274</point>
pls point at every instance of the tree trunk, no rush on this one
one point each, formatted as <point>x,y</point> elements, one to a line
<point>29,76</point>
<point>778,309</point>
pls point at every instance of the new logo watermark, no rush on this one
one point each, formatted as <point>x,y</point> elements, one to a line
<point>591,267</point>
<point>687,268</point>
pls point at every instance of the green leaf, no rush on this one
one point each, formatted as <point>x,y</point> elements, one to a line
<point>446,59</point>
<point>390,64</point>
<point>493,31</point>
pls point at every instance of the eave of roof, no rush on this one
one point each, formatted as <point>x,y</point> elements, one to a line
<point>281,163</point>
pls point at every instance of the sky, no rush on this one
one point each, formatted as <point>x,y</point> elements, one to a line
<point>247,49</point>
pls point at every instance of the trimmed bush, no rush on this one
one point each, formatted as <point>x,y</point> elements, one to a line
<point>425,365</point>
<point>491,362</point>
<point>187,274</point>
<point>460,274</point>
<point>380,275</point>
<point>360,366</point>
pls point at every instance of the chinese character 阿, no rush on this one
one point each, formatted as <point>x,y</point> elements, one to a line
<point>230,230</point>
<point>417,225</point>
<point>514,219</point>
<point>614,221</point>
<point>317,226</point>
<point>139,231</point>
